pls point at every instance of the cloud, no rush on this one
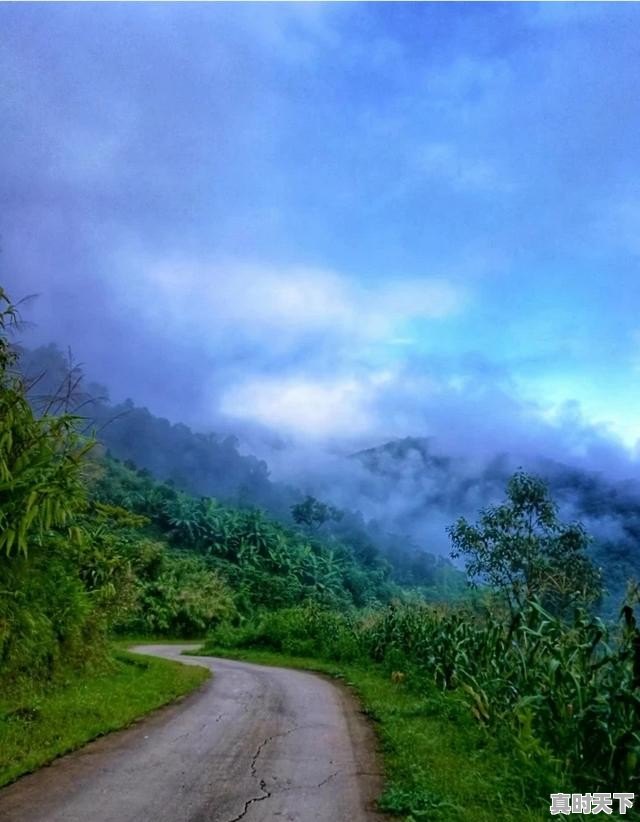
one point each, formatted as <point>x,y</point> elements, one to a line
<point>294,33</point>
<point>303,407</point>
<point>279,305</point>
<point>166,164</point>
<point>469,407</point>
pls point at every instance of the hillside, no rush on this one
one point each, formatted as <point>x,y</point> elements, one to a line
<point>418,485</point>
<point>206,465</point>
<point>410,492</point>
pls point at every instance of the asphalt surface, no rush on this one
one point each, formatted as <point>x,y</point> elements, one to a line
<point>255,743</point>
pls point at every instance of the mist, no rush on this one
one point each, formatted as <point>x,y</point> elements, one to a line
<point>324,228</point>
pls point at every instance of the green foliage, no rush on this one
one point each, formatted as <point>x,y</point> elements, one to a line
<point>266,564</point>
<point>174,595</point>
<point>313,514</point>
<point>145,586</point>
<point>46,619</point>
<point>522,550</point>
<point>308,630</point>
<point>567,692</point>
<point>46,613</point>
<point>40,480</point>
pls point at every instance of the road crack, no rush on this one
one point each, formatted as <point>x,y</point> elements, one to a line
<point>263,785</point>
<point>324,781</point>
<point>266,794</point>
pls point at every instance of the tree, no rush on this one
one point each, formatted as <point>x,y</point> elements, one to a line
<point>313,514</point>
<point>522,550</point>
<point>47,615</point>
<point>40,458</point>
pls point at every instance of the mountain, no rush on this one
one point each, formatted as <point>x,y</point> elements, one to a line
<point>208,465</point>
<point>418,487</point>
<point>397,499</point>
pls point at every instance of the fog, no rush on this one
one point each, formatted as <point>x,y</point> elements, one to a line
<point>323,228</point>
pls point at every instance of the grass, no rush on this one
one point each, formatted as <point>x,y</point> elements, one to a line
<point>40,724</point>
<point>439,763</point>
<point>127,640</point>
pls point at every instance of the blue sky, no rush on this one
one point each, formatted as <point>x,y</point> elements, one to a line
<point>335,221</point>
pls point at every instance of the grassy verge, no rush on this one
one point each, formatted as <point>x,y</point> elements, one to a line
<point>439,764</point>
<point>41,724</point>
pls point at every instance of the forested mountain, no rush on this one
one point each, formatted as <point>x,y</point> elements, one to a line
<point>211,466</point>
<point>90,545</point>
<point>197,463</point>
<point>408,491</point>
<point>418,485</point>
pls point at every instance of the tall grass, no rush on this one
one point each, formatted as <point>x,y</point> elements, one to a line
<point>567,694</point>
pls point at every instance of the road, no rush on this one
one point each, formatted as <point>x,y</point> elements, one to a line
<point>255,743</point>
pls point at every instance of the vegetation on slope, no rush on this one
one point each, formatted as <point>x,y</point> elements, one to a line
<point>91,546</point>
<point>207,465</point>
<point>265,563</point>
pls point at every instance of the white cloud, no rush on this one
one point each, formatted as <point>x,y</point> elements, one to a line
<point>314,409</point>
<point>356,403</point>
<point>298,349</point>
<point>573,402</point>
<point>413,299</point>
<point>252,301</point>
<point>295,33</point>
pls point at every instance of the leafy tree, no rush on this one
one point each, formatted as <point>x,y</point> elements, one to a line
<point>522,550</point>
<point>40,458</point>
<point>313,514</point>
<point>264,563</point>
<point>46,613</point>
<point>175,594</point>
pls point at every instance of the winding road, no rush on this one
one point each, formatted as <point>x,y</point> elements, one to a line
<point>255,743</point>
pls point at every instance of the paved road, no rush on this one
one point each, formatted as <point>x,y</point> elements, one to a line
<point>254,744</point>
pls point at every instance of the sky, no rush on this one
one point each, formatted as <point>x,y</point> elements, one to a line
<point>335,223</point>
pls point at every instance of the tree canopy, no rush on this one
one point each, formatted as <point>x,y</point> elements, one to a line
<point>522,549</point>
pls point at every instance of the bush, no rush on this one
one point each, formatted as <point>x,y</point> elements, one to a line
<point>306,630</point>
<point>47,619</point>
<point>46,613</point>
